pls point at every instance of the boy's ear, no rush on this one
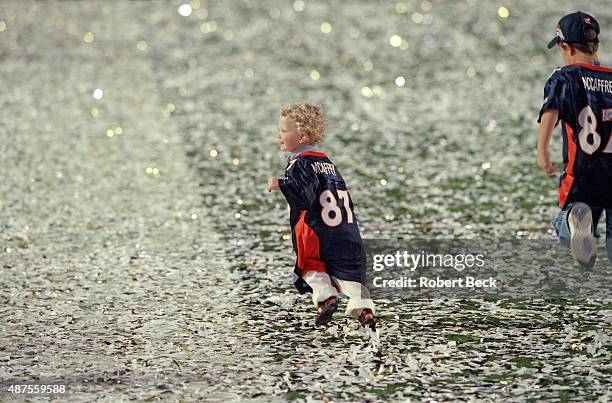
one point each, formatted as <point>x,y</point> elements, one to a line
<point>569,48</point>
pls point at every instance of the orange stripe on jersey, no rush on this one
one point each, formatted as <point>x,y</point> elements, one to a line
<point>568,180</point>
<point>308,255</point>
<point>592,67</point>
<point>311,154</point>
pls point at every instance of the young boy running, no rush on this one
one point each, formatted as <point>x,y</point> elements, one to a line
<point>580,96</point>
<point>324,228</point>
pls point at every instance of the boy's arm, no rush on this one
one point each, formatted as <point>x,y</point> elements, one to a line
<point>557,93</point>
<point>273,184</point>
<point>548,121</point>
<point>299,186</point>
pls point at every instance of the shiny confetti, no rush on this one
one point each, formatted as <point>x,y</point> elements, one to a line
<point>503,12</point>
<point>395,41</point>
<point>185,10</point>
<point>299,5</point>
<point>88,37</point>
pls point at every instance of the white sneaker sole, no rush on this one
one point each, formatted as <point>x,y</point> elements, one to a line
<point>582,245</point>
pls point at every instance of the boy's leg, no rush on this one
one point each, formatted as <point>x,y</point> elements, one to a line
<point>359,296</point>
<point>323,295</point>
<point>310,266</point>
<point>596,212</point>
<point>561,226</point>
<point>321,285</point>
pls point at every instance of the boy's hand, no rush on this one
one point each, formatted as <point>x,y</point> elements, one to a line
<point>544,162</point>
<point>273,184</point>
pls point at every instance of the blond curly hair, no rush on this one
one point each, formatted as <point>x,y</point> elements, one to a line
<point>309,121</point>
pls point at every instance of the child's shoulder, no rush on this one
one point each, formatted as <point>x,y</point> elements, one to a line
<point>572,73</point>
<point>312,160</point>
<point>312,154</point>
<point>556,73</point>
<point>564,74</point>
<point>580,67</point>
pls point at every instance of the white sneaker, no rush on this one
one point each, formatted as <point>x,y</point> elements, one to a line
<point>582,245</point>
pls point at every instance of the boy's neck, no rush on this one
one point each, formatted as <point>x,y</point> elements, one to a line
<point>302,149</point>
<point>583,58</point>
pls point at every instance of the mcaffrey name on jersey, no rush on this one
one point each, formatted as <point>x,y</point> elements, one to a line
<point>427,282</point>
<point>323,168</point>
<point>597,84</point>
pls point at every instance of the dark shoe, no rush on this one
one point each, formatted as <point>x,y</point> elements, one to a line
<point>366,319</point>
<point>326,310</point>
<point>582,245</point>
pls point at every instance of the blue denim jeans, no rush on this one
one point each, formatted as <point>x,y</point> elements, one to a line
<point>563,232</point>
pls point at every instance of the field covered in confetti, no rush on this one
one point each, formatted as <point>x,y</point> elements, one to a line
<point>142,257</point>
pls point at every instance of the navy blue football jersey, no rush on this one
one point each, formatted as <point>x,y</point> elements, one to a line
<point>583,95</point>
<point>324,227</point>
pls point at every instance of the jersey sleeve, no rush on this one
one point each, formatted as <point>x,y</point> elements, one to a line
<point>300,185</point>
<point>556,94</point>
